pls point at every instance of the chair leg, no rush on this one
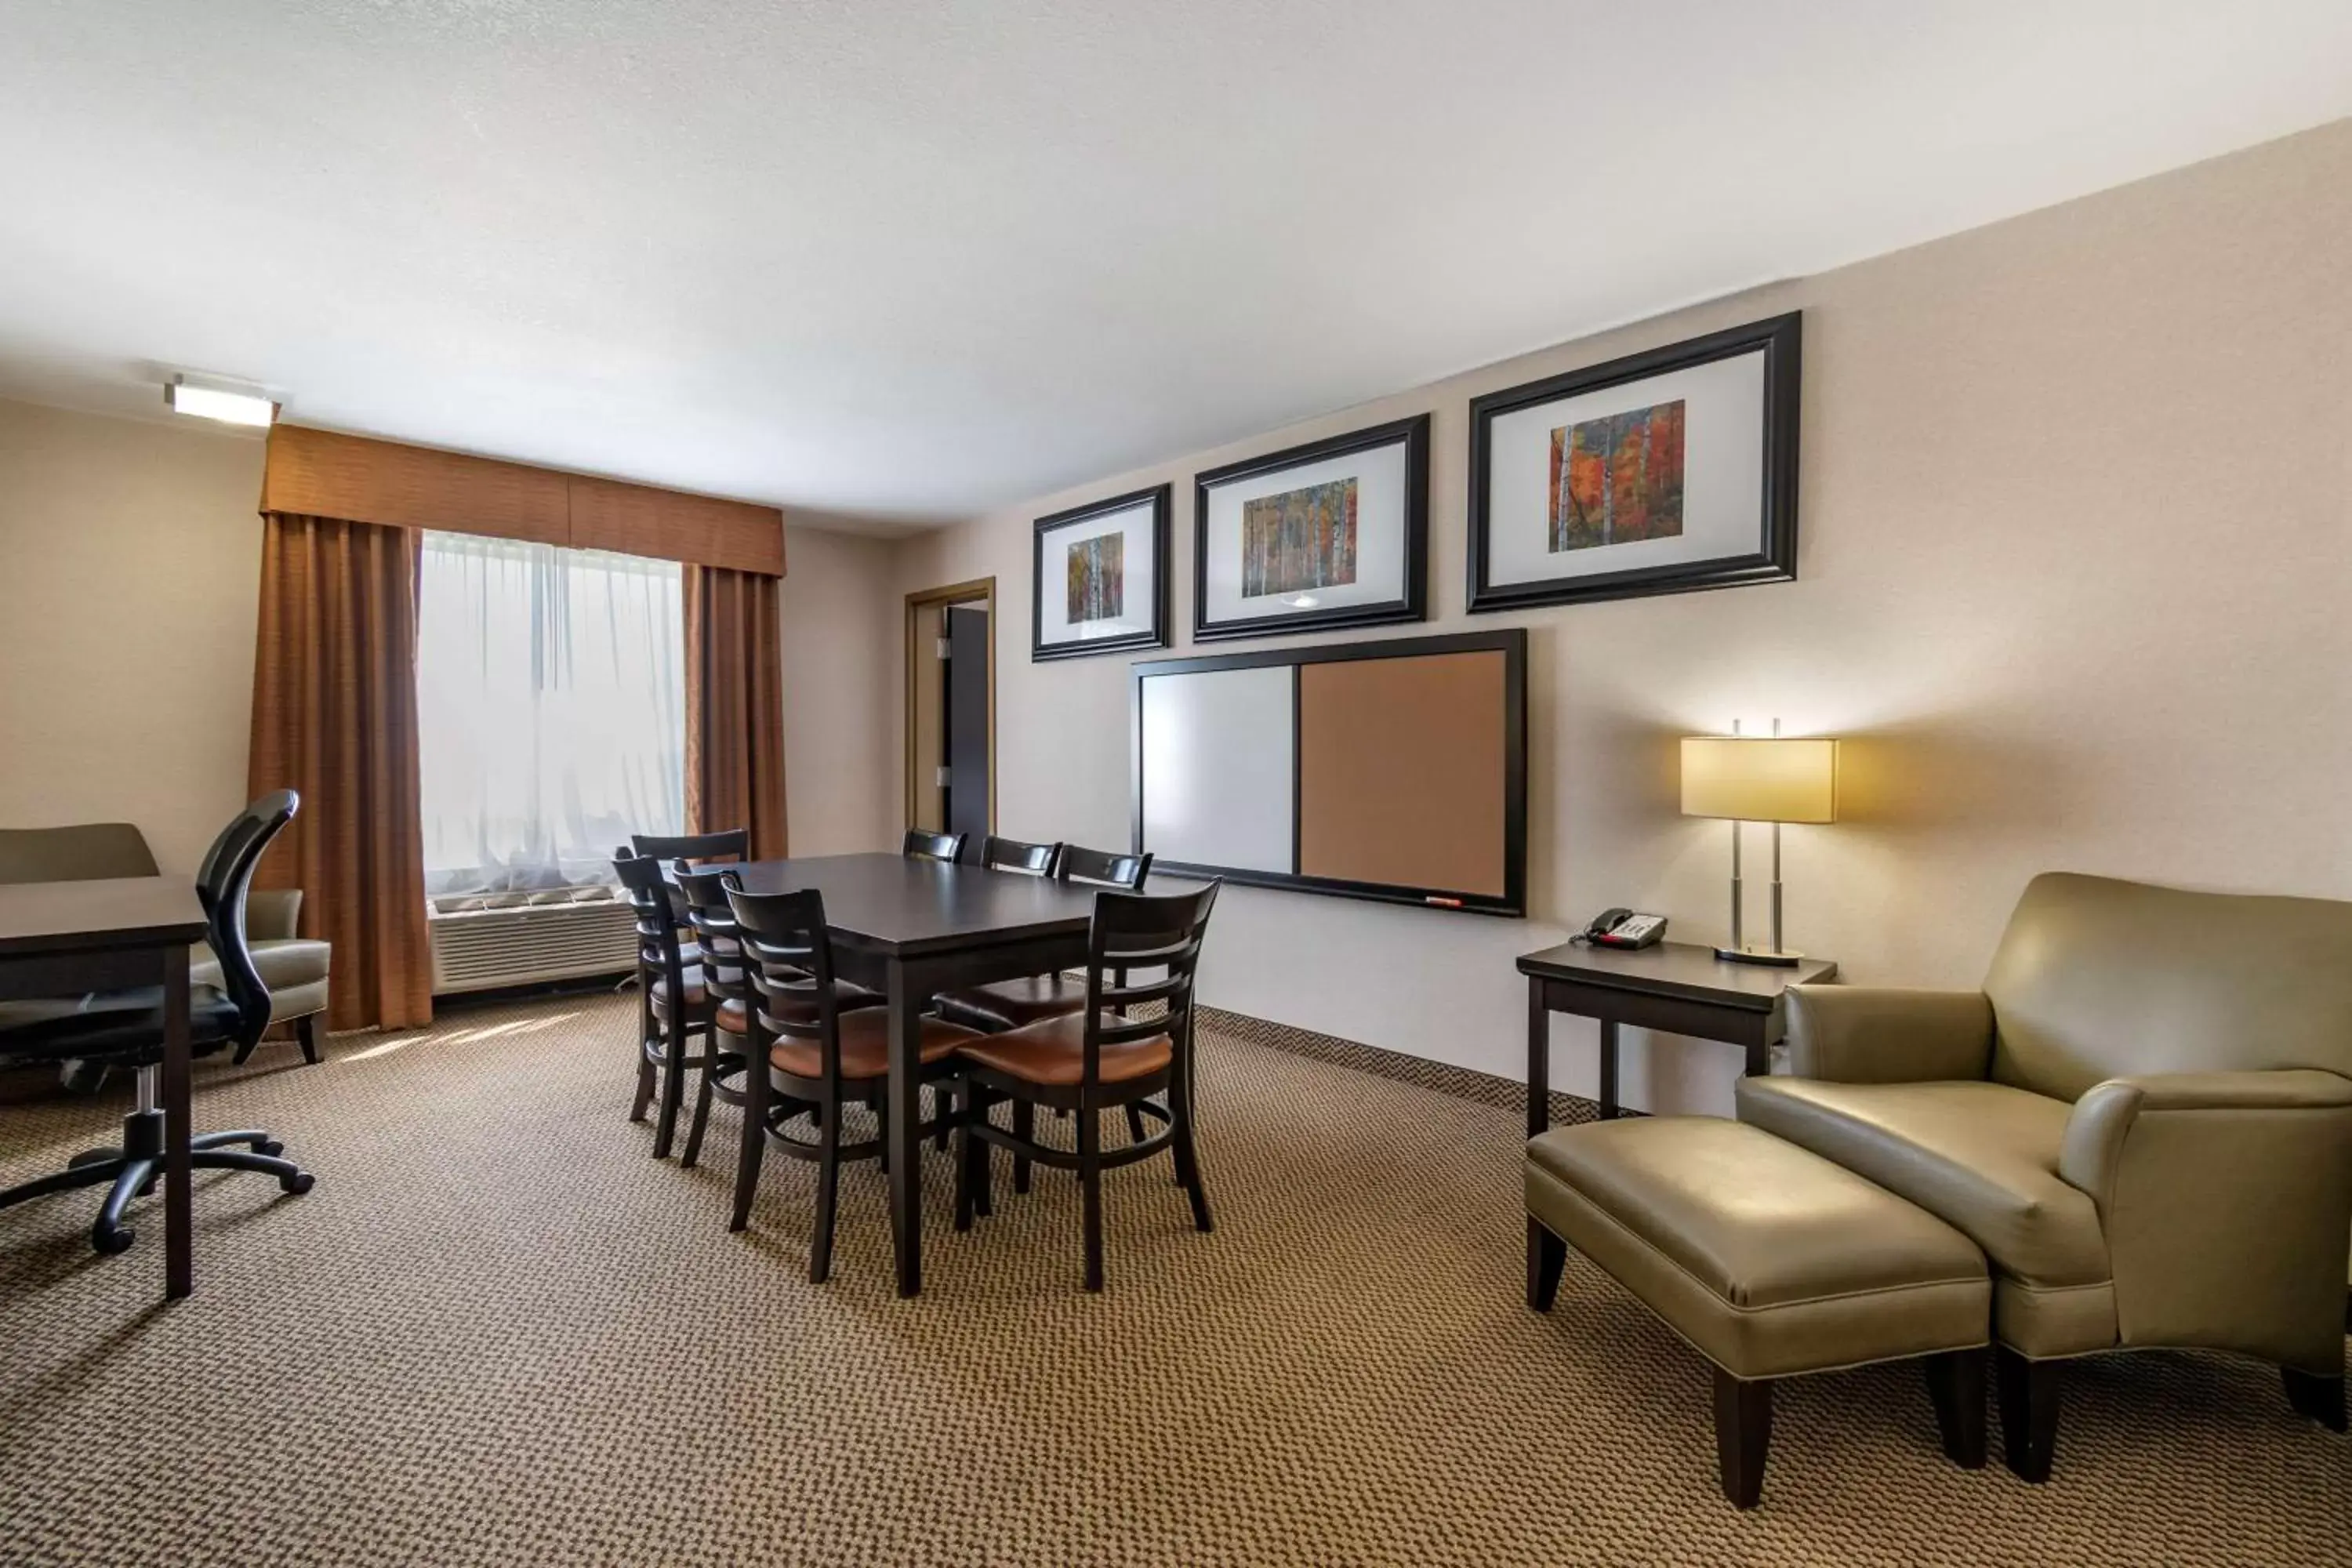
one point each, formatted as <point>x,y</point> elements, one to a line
<point>1025,1125</point>
<point>1955,1382</point>
<point>673,1085</point>
<point>701,1106</point>
<point>1743,1431</point>
<point>290,1176</point>
<point>1090,1180</point>
<point>306,1030</point>
<point>966,1096</point>
<point>1134,1124</point>
<point>755,1139</point>
<point>108,1234</point>
<point>2029,1412</point>
<point>1188,1158</point>
<point>645,1097</point>
<point>1546,1256</point>
<point>2317,1395</point>
<point>939,1098</point>
<point>984,1157</point>
<point>828,1184</point>
<point>91,1172</point>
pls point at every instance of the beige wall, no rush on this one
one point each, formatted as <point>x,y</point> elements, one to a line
<point>2076,577</point>
<point>840,616</point>
<point>129,554</point>
<point>130,557</point>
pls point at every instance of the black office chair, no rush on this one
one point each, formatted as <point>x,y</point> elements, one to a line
<point>922,846</point>
<point>125,1028</point>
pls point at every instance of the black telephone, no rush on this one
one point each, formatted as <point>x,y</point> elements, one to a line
<point>1622,926</point>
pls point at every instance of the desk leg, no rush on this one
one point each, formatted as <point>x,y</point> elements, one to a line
<point>906,1144</point>
<point>1609,1069</point>
<point>1538,1059</point>
<point>179,1219</point>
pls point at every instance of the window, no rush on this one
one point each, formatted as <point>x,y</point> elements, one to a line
<point>550,710</point>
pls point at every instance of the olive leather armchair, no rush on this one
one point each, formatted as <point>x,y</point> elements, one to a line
<point>2144,1120</point>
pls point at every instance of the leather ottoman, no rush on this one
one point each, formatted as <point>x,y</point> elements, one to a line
<point>1769,1260</point>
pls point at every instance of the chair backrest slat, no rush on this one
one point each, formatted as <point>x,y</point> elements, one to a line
<point>729,844</point>
<point>922,846</point>
<point>1103,868</point>
<point>1016,855</point>
<point>227,879</point>
<point>661,909</point>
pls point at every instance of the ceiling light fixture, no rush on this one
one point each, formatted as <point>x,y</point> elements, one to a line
<point>230,402</point>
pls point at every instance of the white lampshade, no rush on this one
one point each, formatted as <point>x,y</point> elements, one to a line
<point>1760,779</point>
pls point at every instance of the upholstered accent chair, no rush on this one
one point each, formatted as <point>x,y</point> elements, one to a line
<point>2144,1119</point>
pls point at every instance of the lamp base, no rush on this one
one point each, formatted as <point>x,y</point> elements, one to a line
<point>1779,957</point>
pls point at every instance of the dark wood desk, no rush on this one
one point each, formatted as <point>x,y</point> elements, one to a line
<point>1676,986</point>
<point>911,928</point>
<point>61,939</point>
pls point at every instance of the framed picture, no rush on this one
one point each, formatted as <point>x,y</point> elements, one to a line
<point>1334,534</point>
<point>1101,577</point>
<point>1661,473</point>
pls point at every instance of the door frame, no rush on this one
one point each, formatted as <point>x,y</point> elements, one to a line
<point>978,590</point>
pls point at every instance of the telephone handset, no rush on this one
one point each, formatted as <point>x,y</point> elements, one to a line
<point>1622,927</point>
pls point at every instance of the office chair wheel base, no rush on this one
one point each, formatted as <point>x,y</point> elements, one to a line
<point>270,1146</point>
<point>109,1240</point>
<point>92,1157</point>
<point>296,1181</point>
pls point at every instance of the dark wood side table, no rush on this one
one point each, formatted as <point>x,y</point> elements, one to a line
<point>59,939</point>
<point>1676,986</point>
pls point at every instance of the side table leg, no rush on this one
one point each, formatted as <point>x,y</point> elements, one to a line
<point>1609,1106</point>
<point>1538,1059</point>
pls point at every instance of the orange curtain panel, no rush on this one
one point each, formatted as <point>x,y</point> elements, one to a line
<point>334,718</point>
<point>734,706</point>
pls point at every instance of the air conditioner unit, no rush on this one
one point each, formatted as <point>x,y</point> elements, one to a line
<point>516,938</point>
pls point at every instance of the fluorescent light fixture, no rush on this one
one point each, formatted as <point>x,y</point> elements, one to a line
<point>231,403</point>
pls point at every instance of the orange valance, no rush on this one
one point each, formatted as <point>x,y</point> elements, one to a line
<point>321,473</point>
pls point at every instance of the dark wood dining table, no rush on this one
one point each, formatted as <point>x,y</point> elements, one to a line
<point>911,929</point>
<point>118,933</point>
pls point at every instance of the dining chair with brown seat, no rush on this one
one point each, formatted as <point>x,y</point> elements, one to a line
<point>819,1055</point>
<point>1009,1003</point>
<point>729,985</point>
<point>674,1004</point>
<point>922,846</point>
<point>1098,1058</point>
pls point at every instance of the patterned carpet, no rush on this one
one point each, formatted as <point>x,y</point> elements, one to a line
<point>498,1334</point>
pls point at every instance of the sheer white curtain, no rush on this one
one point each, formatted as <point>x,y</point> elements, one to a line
<point>550,710</point>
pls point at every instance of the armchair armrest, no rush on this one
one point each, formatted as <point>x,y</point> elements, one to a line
<point>270,913</point>
<point>1862,1034</point>
<point>2226,1199</point>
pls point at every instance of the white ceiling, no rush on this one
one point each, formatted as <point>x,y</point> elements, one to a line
<point>910,260</point>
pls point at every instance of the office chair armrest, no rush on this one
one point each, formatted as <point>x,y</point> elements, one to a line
<point>270,913</point>
<point>1863,1034</point>
<point>2226,1200</point>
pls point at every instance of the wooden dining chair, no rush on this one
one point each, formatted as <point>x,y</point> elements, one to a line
<point>1011,1004</point>
<point>1018,855</point>
<point>819,1054</point>
<point>1098,1058</point>
<point>672,1002</point>
<point>922,846</point>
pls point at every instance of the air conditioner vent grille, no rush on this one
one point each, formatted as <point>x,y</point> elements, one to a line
<point>476,950</point>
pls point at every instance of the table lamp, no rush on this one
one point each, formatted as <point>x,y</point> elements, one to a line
<point>1759,779</point>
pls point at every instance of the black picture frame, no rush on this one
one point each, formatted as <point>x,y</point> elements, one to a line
<point>1414,606</point>
<point>1774,559</point>
<point>1509,641</point>
<point>1163,498</point>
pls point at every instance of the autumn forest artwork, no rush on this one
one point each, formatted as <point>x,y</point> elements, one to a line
<point>1299,540</point>
<point>1617,479</point>
<point>1099,578</point>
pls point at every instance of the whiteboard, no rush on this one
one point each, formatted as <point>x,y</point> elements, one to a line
<point>1218,768</point>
